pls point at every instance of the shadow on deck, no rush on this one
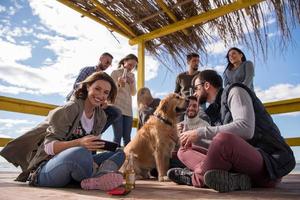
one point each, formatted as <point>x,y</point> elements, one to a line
<point>9,189</point>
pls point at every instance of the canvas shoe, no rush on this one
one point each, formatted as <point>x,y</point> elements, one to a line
<point>106,166</point>
<point>224,181</point>
<point>180,176</point>
<point>105,182</point>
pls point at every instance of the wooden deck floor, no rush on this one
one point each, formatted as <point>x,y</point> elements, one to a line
<point>9,189</point>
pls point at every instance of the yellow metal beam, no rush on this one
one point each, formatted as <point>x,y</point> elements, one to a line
<point>36,108</point>
<point>284,106</point>
<point>165,8</point>
<point>86,13</point>
<point>24,106</point>
<point>199,19</point>
<point>141,65</point>
<point>30,107</point>
<point>4,141</point>
<point>115,19</point>
<point>293,141</point>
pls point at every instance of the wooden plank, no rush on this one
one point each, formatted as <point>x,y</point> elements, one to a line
<point>146,189</point>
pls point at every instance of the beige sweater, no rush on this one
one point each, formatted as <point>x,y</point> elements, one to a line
<point>124,97</point>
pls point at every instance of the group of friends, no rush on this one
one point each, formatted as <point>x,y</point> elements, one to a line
<point>227,140</point>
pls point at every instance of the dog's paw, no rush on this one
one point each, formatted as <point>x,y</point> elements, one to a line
<point>163,179</point>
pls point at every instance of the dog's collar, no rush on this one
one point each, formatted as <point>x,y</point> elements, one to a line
<point>163,119</point>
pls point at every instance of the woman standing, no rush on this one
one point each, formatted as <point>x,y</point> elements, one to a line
<point>59,150</point>
<point>125,80</point>
<point>238,70</point>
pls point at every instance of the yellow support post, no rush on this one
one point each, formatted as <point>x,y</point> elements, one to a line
<point>202,18</point>
<point>85,13</point>
<point>169,13</point>
<point>141,65</point>
<point>115,19</point>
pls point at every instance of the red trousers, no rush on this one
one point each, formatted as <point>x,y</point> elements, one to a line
<point>226,152</point>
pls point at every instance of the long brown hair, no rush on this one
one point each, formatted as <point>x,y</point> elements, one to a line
<point>143,93</point>
<point>82,93</point>
<point>128,57</point>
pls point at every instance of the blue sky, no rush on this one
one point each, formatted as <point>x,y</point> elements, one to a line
<point>44,44</point>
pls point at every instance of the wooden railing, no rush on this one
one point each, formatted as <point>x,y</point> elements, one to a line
<point>37,108</point>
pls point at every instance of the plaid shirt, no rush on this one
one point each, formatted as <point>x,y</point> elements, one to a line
<point>84,72</point>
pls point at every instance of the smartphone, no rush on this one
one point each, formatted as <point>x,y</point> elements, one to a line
<point>109,146</point>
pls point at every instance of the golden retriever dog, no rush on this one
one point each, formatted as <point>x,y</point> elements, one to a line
<point>153,144</point>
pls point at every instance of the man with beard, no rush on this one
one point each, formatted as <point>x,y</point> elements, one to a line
<point>104,62</point>
<point>247,148</point>
<point>183,83</point>
<point>184,79</point>
<point>194,118</point>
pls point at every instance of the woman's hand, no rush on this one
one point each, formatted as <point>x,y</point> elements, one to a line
<point>130,79</point>
<point>91,142</point>
<point>188,137</point>
<point>121,81</point>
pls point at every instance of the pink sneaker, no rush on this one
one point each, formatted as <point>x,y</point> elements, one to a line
<point>104,182</point>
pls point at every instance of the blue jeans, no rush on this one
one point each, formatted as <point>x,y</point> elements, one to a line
<point>112,113</point>
<point>75,163</point>
<point>122,128</point>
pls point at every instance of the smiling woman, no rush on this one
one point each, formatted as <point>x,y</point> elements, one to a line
<point>238,70</point>
<point>125,80</point>
<point>69,135</point>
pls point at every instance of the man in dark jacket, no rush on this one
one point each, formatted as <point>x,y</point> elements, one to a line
<point>247,148</point>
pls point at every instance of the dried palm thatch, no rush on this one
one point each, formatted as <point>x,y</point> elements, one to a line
<point>248,27</point>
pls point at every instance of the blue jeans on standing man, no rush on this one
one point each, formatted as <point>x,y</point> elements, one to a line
<point>113,114</point>
<point>75,163</point>
<point>122,128</point>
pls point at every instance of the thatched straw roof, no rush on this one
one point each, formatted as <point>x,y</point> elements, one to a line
<point>144,16</point>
